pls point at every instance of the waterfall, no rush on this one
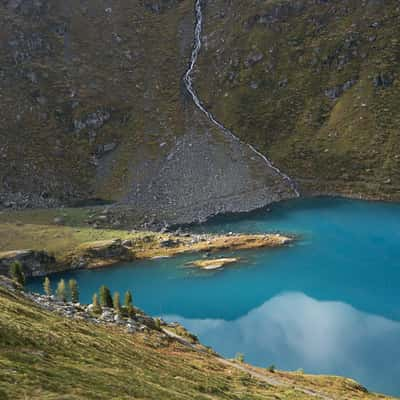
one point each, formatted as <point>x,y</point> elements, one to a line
<point>188,81</point>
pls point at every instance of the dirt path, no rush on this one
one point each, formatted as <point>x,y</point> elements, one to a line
<point>273,381</point>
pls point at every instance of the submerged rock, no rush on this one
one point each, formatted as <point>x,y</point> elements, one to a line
<point>216,263</point>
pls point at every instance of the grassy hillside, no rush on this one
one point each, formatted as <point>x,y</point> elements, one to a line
<point>88,93</point>
<point>36,229</point>
<point>45,356</point>
<point>312,83</point>
<point>93,105</point>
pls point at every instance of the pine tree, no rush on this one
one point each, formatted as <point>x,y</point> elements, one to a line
<point>61,291</point>
<point>128,299</point>
<point>96,305</point>
<point>128,303</point>
<point>117,303</point>
<point>73,288</point>
<point>16,273</point>
<point>105,297</point>
<point>47,286</point>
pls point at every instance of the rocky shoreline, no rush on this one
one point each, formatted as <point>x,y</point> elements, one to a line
<point>105,253</point>
<point>124,216</point>
<point>128,247</point>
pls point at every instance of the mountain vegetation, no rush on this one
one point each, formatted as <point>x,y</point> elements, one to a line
<point>48,356</point>
<point>94,108</point>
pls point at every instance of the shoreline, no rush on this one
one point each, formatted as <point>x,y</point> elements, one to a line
<point>111,247</point>
<point>267,207</point>
<point>78,325</point>
<point>118,212</point>
<point>168,246</point>
<point>107,253</point>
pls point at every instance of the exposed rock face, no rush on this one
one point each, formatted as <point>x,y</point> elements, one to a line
<point>34,263</point>
<point>97,254</point>
<point>337,91</point>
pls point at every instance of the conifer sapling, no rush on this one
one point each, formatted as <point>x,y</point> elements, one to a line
<point>16,273</point>
<point>96,305</point>
<point>61,291</point>
<point>105,297</point>
<point>117,303</point>
<point>47,286</point>
<point>73,288</point>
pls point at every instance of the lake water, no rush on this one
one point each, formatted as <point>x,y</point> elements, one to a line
<point>329,303</point>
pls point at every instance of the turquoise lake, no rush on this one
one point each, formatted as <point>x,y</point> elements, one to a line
<point>329,303</point>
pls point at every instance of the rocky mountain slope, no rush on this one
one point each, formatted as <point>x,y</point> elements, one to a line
<point>44,355</point>
<point>312,83</point>
<point>93,105</point>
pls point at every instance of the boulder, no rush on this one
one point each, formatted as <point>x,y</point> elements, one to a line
<point>131,328</point>
<point>107,315</point>
<point>34,263</point>
<point>383,80</point>
<point>253,58</point>
<point>58,220</point>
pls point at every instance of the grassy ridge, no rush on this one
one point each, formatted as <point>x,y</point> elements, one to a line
<point>44,356</point>
<point>35,229</point>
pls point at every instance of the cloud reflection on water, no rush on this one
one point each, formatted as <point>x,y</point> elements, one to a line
<point>294,331</point>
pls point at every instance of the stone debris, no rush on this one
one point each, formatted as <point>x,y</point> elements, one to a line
<point>136,323</point>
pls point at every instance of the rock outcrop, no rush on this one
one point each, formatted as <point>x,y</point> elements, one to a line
<point>100,253</point>
<point>34,263</point>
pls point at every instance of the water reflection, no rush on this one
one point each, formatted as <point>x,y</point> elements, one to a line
<point>294,331</point>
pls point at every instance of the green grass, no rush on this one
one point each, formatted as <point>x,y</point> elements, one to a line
<point>35,229</point>
<point>44,356</point>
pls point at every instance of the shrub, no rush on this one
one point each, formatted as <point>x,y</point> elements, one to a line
<point>117,303</point>
<point>47,286</point>
<point>157,323</point>
<point>271,368</point>
<point>73,288</point>
<point>105,297</point>
<point>239,357</point>
<point>96,305</point>
<point>16,273</point>
<point>61,291</point>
